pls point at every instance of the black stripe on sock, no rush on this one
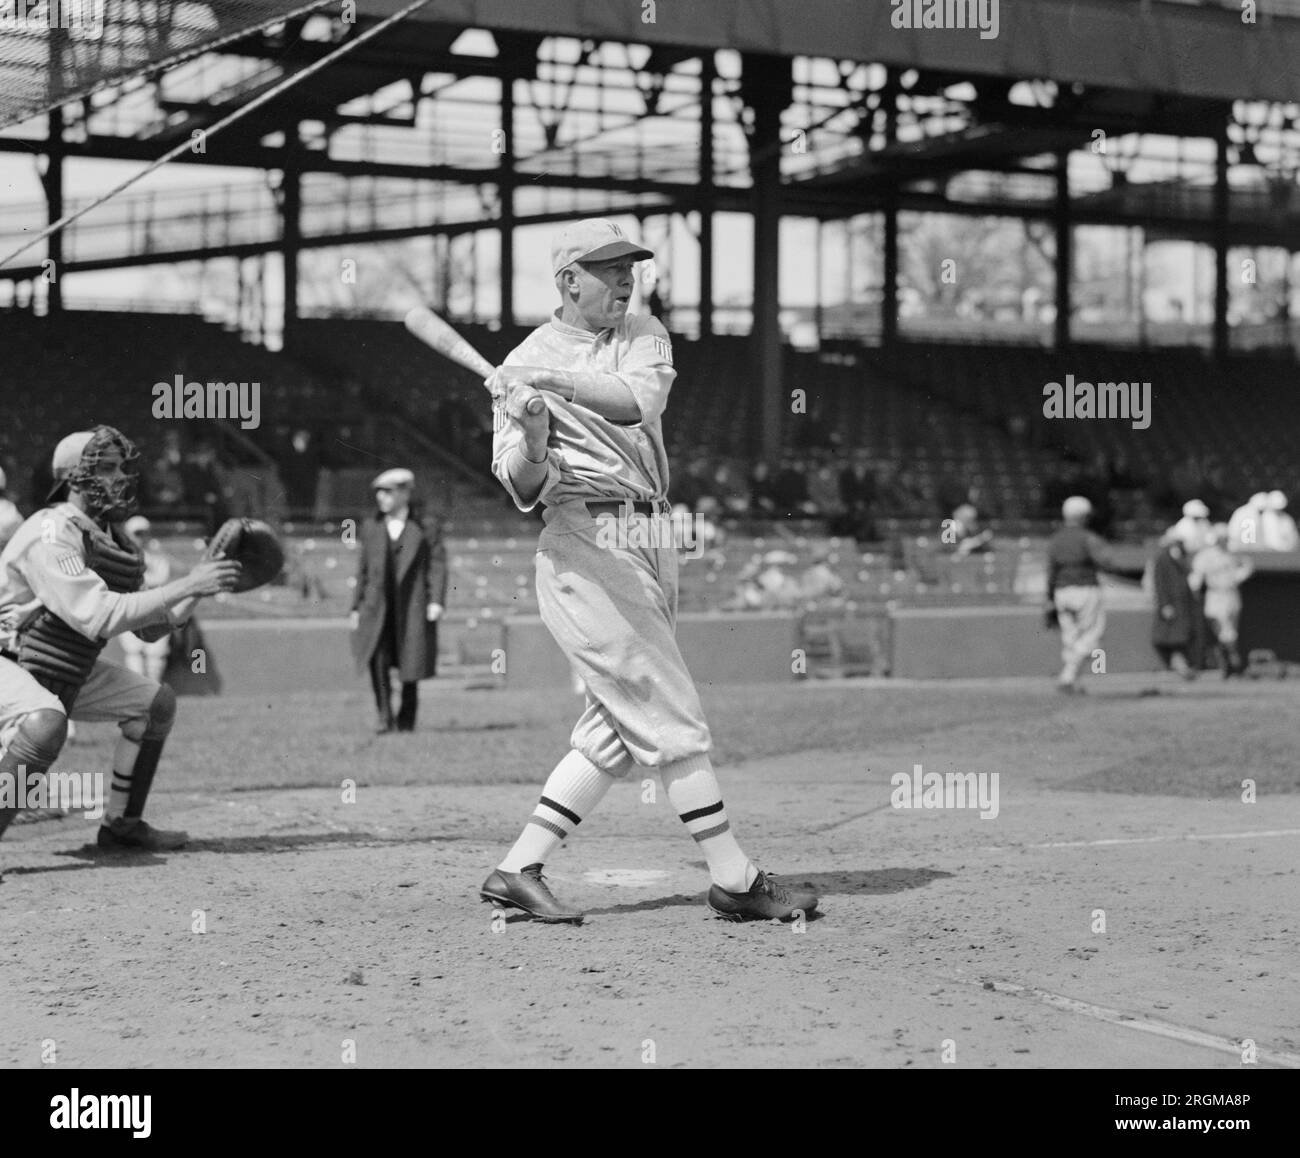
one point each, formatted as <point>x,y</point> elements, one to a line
<point>699,813</point>
<point>572,816</point>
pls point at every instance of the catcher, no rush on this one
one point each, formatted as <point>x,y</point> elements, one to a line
<point>69,580</point>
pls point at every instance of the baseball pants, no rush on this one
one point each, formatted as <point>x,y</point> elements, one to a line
<point>1082,619</point>
<point>613,610</point>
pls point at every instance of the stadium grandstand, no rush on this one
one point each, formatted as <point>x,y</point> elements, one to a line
<point>875,247</point>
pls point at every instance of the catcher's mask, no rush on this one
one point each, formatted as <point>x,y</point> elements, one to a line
<point>103,465</point>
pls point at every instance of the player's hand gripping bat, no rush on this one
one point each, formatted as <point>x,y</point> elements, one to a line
<point>435,333</point>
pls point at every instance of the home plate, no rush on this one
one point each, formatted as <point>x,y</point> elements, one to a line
<point>626,878</point>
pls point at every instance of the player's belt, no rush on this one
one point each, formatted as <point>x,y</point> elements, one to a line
<point>639,507</point>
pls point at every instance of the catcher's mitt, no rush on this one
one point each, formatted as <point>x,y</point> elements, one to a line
<point>253,545</point>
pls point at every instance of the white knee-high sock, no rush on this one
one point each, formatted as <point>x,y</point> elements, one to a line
<point>693,791</point>
<point>571,792</point>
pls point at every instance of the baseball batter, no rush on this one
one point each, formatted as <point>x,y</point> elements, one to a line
<point>70,579</point>
<point>596,454</point>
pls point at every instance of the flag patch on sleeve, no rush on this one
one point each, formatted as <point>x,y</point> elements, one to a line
<point>663,348</point>
<point>498,415</point>
<point>71,564</point>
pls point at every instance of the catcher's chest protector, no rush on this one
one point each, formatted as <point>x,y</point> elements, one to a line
<point>59,657</point>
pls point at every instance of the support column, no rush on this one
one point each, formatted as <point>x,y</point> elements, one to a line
<point>506,195</point>
<point>52,180</point>
<point>767,87</point>
<point>708,70</point>
<point>290,234</point>
<point>889,284</point>
<point>1220,229</point>
<point>1064,254</point>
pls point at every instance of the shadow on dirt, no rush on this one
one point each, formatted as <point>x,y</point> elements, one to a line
<point>866,882</point>
<point>283,842</point>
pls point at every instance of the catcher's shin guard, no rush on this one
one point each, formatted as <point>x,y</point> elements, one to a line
<point>34,747</point>
<point>162,713</point>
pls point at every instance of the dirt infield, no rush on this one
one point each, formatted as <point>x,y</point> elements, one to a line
<point>336,930</point>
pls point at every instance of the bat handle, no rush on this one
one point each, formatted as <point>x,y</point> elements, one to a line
<point>535,406</point>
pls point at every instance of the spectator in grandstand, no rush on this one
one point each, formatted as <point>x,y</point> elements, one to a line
<point>969,536</point>
<point>205,485</point>
<point>300,465</point>
<point>1277,529</point>
<point>1075,555</point>
<point>149,658</point>
<point>819,583</point>
<point>824,491</point>
<point>692,484</point>
<point>10,517</point>
<point>164,477</point>
<point>790,488</point>
<point>859,492</point>
<point>1173,629</point>
<point>1220,574</point>
<point>762,492</point>
<point>858,481</point>
<point>400,593</point>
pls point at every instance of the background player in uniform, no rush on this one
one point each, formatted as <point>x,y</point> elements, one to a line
<point>69,580</point>
<point>597,453</point>
<point>1074,602</point>
<point>1220,573</point>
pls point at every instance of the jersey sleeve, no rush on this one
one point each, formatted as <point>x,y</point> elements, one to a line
<point>55,569</point>
<point>507,437</point>
<point>647,369</point>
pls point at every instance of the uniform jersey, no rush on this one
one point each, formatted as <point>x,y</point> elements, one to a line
<point>1074,556</point>
<point>589,456</point>
<point>1218,570</point>
<point>45,561</point>
<point>10,521</point>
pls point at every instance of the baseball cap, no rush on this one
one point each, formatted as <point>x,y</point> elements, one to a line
<point>68,453</point>
<point>1076,507</point>
<point>397,477</point>
<point>1276,501</point>
<point>67,456</point>
<point>1195,509</point>
<point>594,239</point>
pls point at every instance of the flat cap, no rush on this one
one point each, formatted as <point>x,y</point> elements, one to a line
<point>397,477</point>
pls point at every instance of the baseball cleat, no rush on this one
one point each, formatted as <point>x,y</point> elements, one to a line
<point>527,891</point>
<point>123,835</point>
<point>765,901</point>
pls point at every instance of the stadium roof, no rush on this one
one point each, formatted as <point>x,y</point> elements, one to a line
<point>1139,45</point>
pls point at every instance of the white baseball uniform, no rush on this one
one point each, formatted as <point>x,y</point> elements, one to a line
<point>611,607</point>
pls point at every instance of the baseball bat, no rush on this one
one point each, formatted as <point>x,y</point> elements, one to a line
<point>435,333</point>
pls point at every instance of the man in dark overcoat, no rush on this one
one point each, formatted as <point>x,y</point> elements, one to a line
<point>400,593</point>
<point>1173,629</point>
